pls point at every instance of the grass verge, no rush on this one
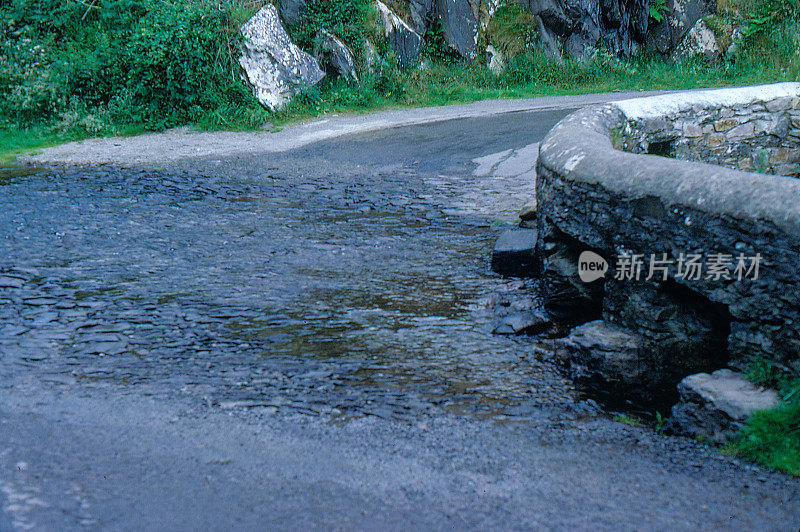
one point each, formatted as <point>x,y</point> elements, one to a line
<point>772,437</point>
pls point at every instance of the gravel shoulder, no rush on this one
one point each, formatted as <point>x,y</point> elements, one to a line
<point>163,149</point>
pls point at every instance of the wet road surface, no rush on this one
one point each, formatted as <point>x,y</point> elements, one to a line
<point>304,339</point>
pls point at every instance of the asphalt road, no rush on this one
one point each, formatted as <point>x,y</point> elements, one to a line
<point>302,337</point>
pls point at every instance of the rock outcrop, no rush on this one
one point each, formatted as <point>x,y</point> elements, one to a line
<point>579,26</point>
<point>515,254</point>
<point>459,26</point>
<point>274,67</point>
<point>715,406</point>
<point>336,58</point>
<point>495,60</point>
<point>623,366</point>
<point>291,10</point>
<point>679,16</point>
<point>403,40</point>
<point>699,40</point>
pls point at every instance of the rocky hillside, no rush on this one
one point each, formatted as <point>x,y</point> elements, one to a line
<point>71,70</point>
<point>348,36</point>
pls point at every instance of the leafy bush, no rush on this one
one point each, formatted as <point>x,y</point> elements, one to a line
<point>766,16</point>
<point>657,10</point>
<point>147,62</point>
<point>347,19</point>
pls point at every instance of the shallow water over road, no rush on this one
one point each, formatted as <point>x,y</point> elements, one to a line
<point>348,278</point>
<point>304,340</point>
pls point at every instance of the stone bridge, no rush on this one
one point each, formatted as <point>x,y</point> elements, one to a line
<point>703,258</point>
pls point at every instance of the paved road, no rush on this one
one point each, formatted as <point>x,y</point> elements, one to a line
<point>303,338</point>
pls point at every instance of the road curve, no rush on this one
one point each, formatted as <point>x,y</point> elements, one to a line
<point>160,149</point>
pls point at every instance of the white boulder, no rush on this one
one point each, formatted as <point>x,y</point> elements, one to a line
<point>274,67</point>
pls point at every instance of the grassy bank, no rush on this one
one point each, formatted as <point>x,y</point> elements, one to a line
<point>71,71</point>
<point>772,437</point>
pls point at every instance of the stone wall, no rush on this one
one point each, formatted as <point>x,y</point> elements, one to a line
<point>635,339</point>
<point>760,135</point>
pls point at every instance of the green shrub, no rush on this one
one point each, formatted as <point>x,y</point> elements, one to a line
<point>657,10</point>
<point>511,30</point>
<point>67,71</point>
<point>767,16</point>
<point>347,19</point>
<point>148,62</point>
<point>434,46</point>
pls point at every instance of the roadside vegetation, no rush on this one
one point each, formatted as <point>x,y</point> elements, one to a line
<point>71,69</point>
<point>772,437</point>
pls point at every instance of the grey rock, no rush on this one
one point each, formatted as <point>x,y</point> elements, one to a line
<point>679,17</point>
<point>715,406</point>
<point>548,41</point>
<point>699,40</point>
<point>459,26</point>
<point>530,322</point>
<point>580,25</point>
<point>274,67</point>
<point>528,212</point>
<point>403,40</point>
<point>336,58</point>
<point>422,12</point>
<point>619,364</point>
<point>7,281</point>
<point>514,253</point>
<point>568,299</point>
<point>291,11</point>
<point>605,359</point>
<point>494,60</point>
<point>580,46</point>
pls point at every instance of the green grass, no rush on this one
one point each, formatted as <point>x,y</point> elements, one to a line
<point>631,421</point>
<point>772,437</point>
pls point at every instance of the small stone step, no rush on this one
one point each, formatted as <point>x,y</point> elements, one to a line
<point>715,406</point>
<point>514,253</point>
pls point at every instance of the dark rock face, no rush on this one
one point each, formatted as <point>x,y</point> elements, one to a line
<point>624,365</point>
<point>290,11</point>
<point>679,17</point>
<point>459,25</point>
<point>514,253</point>
<point>581,25</point>
<point>606,360</point>
<point>686,331</point>
<point>335,58</point>
<point>716,406</point>
<point>403,40</point>
<point>569,300</point>
<point>422,12</point>
<point>528,322</point>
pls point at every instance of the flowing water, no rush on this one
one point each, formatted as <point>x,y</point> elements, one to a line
<point>346,279</point>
